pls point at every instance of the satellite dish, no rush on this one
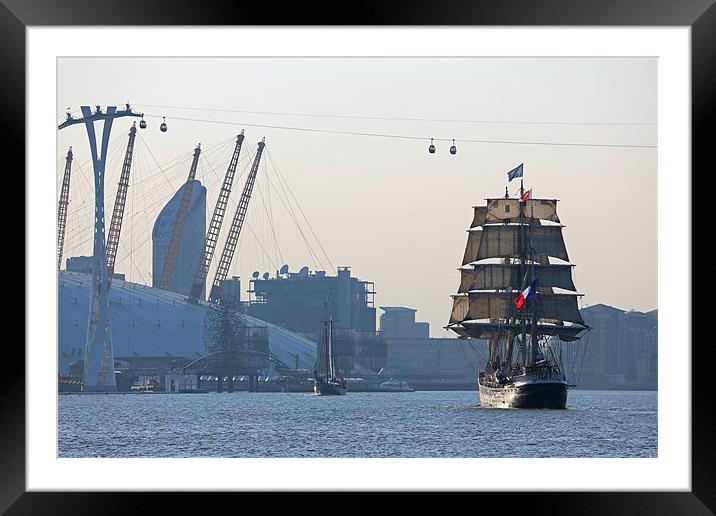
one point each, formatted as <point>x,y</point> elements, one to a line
<point>255,274</point>
<point>284,269</point>
<point>266,275</point>
<point>303,272</point>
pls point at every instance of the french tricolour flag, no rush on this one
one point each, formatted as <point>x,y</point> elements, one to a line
<point>526,295</point>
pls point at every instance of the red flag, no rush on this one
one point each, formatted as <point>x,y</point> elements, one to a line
<point>526,195</point>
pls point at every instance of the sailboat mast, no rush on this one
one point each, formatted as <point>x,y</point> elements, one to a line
<point>327,351</point>
<point>330,348</point>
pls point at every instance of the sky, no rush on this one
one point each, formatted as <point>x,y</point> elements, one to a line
<point>376,200</point>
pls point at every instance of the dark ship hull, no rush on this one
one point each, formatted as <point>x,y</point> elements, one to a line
<point>533,394</point>
<point>324,388</point>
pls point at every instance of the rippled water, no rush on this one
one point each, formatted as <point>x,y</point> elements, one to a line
<point>418,424</point>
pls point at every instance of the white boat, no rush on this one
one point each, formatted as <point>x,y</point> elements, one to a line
<point>395,386</point>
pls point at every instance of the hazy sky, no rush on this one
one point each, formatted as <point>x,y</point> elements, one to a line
<point>383,206</point>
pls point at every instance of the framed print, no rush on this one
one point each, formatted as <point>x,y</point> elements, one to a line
<point>426,251</point>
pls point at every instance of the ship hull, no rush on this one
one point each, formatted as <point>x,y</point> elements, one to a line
<point>533,395</point>
<point>329,389</point>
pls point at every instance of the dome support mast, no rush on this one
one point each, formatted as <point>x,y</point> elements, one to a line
<point>233,238</point>
<point>115,226</point>
<point>212,235</point>
<point>62,208</point>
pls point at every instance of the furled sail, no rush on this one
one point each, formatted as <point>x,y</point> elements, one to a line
<point>501,210</point>
<point>500,305</point>
<point>501,241</point>
<point>507,275</point>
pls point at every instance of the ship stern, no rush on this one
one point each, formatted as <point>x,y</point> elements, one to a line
<point>527,395</point>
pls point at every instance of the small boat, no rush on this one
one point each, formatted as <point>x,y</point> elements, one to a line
<point>330,387</point>
<point>393,385</point>
<point>329,383</point>
<point>142,386</point>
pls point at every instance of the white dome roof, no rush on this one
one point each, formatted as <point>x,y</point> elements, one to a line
<point>149,322</point>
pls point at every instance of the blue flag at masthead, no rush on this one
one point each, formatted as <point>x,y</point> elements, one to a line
<point>515,172</point>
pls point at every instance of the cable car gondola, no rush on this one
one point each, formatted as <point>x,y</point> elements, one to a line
<point>142,123</point>
<point>453,149</point>
<point>163,127</point>
<point>431,149</point>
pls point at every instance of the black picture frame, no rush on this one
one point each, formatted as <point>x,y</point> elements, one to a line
<point>700,15</point>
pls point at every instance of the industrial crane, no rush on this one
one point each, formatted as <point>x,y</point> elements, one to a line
<point>233,237</point>
<point>62,209</point>
<point>115,226</point>
<point>178,231</point>
<point>212,236</point>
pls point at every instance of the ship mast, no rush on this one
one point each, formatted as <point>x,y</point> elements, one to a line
<point>531,358</point>
<point>509,338</point>
<point>523,271</point>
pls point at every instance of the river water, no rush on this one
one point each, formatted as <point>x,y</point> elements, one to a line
<point>417,424</point>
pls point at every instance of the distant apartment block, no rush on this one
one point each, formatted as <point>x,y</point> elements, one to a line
<point>621,350</point>
<point>399,321</point>
<point>413,355</point>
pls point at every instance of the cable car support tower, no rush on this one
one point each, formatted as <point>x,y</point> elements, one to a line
<point>236,225</point>
<point>98,372</point>
<point>212,236</point>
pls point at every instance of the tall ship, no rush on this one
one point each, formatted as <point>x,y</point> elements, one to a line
<point>328,381</point>
<point>516,292</point>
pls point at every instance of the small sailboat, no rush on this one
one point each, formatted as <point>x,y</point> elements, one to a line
<point>328,382</point>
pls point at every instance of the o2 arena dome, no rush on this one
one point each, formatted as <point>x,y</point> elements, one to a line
<point>152,323</point>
